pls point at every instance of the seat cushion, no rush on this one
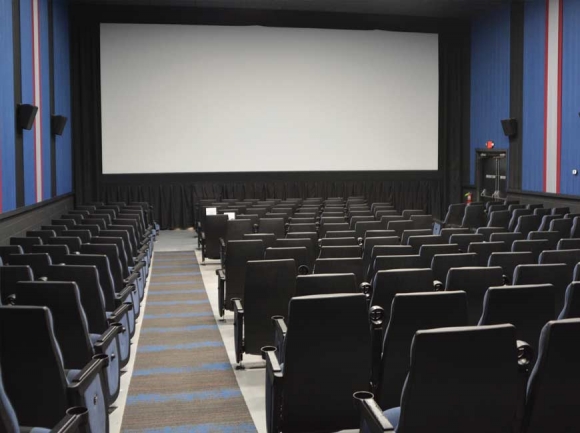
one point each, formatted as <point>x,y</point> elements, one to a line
<point>393,416</point>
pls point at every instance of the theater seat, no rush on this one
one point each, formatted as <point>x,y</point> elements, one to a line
<point>344,265</point>
<point>552,394</point>
<point>327,357</point>
<point>555,274</point>
<point>326,284</point>
<point>300,255</point>
<point>475,388</point>
<point>572,303</point>
<point>269,285</point>
<point>30,355</point>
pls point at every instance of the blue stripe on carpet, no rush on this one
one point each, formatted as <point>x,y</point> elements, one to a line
<point>178,315</point>
<point>218,366</point>
<point>200,428</point>
<point>152,284</point>
<point>174,292</point>
<point>186,346</point>
<point>177,274</point>
<point>176,302</point>
<point>188,396</point>
<point>191,328</point>
<point>189,265</point>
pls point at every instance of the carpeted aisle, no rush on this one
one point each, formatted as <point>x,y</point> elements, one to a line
<point>182,380</point>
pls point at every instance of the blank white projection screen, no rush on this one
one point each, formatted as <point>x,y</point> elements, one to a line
<point>246,99</point>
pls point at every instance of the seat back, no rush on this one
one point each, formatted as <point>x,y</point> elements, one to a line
<point>386,284</point>
<point>446,233</point>
<point>238,253</point>
<point>106,281</point>
<point>272,225</point>
<point>507,238</point>
<point>463,240</point>
<point>555,274</point>
<point>509,260</point>
<point>516,214</point>
<point>562,226</point>
<point>56,252</point>
<point>307,243</point>
<point>9,276</point>
<point>370,243</point>
<point>269,239</point>
<point>474,217</point>
<point>541,212</point>
<point>414,232</point>
<point>408,213</point>
<point>568,244</point>
<point>474,282</point>
<point>339,242</point>
<point>569,257</point>
<point>418,241</point>
<point>44,235</point>
<point>427,252</point>
<point>56,229</point>
<point>484,250</point>
<point>535,246</point>
<point>269,285</point>
<point>475,387</point>
<point>236,229</point>
<point>334,252</point>
<point>400,226</point>
<point>38,262</point>
<point>379,234</point>
<point>552,397</point>
<point>91,296</point>
<point>552,238</point>
<point>359,218</point>
<point>6,251</point>
<point>499,218</point>
<point>29,355</point>
<point>25,243</point>
<point>298,254</point>
<point>328,358</point>
<point>527,224</point>
<point>342,265</point>
<point>547,220</point>
<point>385,263</point>
<point>114,263</point>
<point>73,243</point>
<point>326,284</point>
<point>572,303</point>
<point>441,263</point>
<point>70,325</point>
<point>422,222</point>
<point>362,227</point>
<point>455,213</point>
<point>215,227</point>
<point>575,233</point>
<point>409,313</point>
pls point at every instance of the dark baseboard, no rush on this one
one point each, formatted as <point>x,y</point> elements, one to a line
<point>549,200</point>
<point>18,222</point>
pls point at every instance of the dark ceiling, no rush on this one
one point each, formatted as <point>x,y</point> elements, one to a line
<point>424,8</point>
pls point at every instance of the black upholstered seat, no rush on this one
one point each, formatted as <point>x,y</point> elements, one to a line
<point>326,284</point>
<point>300,255</point>
<point>485,249</point>
<point>474,281</point>
<point>555,274</point>
<point>509,260</point>
<point>335,252</point>
<point>327,356</point>
<point>499,218</point>
<point>535,246</point>
<point>418,241</point>
<point>552,238</point>
<point>343,265</point>
<point>572,303</point>
<point>441,264</point>
<point>214,229</point>
<point>269,285</point>
<point>409,313</point>
<point>428,251</point>
<point>463,240</point>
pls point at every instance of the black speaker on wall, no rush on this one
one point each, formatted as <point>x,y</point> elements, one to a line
<point>25,114</point>
<point>510,127</point>
<point>57,124</point>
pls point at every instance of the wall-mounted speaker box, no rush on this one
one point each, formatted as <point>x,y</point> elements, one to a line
<point>57,124</point>
<point>25,114</point>
<point>510,127</point>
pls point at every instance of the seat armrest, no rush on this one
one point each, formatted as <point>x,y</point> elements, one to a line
<point>280,330</point>
<point>376,318</point>
<point>273,369</point>
<point>107,338</point>
<point>371,415</point>
<point>117,315</point>
<point>125,294</point>
<point>437,285</point>
<point>76,417</point>
<point>131,278</point>
<point>84,379</point>
<point>221,273</point>
<point>506,280</point>
<point>274,383</point>
<point>138,267</point>
<point>222,252</point>
<point>238,329</point>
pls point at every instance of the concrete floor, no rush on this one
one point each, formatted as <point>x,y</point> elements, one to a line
<point>251,380</point>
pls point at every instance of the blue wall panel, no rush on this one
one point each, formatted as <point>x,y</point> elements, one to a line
<point>490,80</point>
<point>62,96</point>
<point>45,97</point>
<point>26,62</point>
<point>7,131</point>
<point>534,77</point>
<point>571,99</point>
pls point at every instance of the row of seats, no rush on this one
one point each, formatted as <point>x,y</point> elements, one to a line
<point>316,340</point>
<point>70,296</point>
